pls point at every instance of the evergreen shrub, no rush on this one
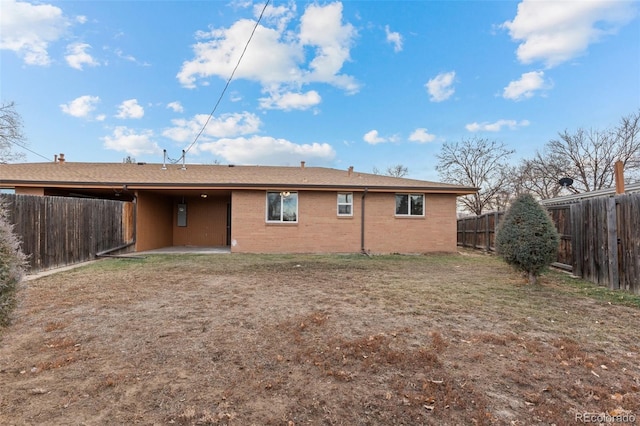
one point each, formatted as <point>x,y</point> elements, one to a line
<point>12,265</point>
<point>527,238</point>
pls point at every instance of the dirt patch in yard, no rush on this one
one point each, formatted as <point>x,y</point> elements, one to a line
<point>292,340</point>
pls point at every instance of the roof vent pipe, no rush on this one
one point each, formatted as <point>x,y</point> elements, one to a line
<point>184,167</point>
<point>55,158</point>
<point>164,159</point>
<point>302,164</point>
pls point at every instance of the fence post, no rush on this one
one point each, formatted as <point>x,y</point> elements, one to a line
<point>496,219</point>
<point>466,232</point>
<point>486,233</point>
<point>612,236</point>
<point>475,233</point>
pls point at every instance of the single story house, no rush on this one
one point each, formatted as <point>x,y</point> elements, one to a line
<point>259,209</point>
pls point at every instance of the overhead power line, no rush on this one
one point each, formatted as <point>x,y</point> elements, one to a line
<point>255,27</point>
<point>27,149</point>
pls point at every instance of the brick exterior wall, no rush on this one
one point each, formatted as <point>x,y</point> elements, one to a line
<point>320,230</point>
<point>153,222</point>
<point>206,222</point>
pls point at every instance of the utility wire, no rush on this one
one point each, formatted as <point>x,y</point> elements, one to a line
<point>226,85</point>
<point>27,149</point>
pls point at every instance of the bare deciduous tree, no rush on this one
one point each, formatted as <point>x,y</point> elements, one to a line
<point>539,177</point>
<point>628,135</point>
<point>479,163</point>
<point>10,133</point>
<point>397,170</point>
<point>588,157</point>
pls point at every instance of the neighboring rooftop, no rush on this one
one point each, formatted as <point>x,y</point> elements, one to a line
<point>575,198</point>
<point>149,176</point>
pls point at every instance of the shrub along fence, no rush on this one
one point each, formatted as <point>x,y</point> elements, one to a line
<point>599,238</point>
<point>60,231</point>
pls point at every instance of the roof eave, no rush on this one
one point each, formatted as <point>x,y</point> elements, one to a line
<point>459,191</point>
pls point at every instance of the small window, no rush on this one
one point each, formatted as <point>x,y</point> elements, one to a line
<point>409,204</point>
<point>345,204</point>
<point>282,206</point>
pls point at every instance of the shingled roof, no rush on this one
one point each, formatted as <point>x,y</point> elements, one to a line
<point>192,176</point>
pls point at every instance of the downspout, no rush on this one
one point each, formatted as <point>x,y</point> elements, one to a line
<point>106,253</point>
<point>362,249</point>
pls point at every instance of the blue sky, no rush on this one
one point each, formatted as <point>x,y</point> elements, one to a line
<point>362,83</point>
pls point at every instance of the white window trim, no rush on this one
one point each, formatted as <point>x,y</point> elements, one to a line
<point>266,211</point>
<point>409,194</point>
<point>344,204</point>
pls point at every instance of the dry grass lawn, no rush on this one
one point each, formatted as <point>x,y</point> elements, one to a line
<point>335,340</point>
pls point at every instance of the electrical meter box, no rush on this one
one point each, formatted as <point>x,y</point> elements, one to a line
<point>182,214</point>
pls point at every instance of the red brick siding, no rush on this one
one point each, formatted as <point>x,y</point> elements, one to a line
<point>153,221</point>
<point>206,222</point>
<point>387,233</point>
<point>320,230</point>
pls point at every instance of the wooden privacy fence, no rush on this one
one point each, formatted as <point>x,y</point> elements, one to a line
<point>60,231</point>
<point>599,238</point>
<point>479,232</point>
<point>606,238</point>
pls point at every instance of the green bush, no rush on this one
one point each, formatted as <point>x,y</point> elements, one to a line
<point>527,238</point>
<point>12,265</point>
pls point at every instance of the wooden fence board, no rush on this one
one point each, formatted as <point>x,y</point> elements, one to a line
<point>59,231</point>
<point>612,244</point>
<point>629,242</point>
<point>561,216</point>
<point>577,239</point>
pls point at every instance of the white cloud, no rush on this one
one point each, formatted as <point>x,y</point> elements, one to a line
<point>372,137</point>
<point>280,16</point>
<point>276,56</point>
<point>130,109</point>
<point>120,54</point>
<point>224,126</point>
<point>77,56</point>
<point>321,26</point>
<point>241,4</point>
<point>266,150</point>
<point>127,57</point>
<point>291,100</point>
<point>525,87</point>
<point>175,106</point>
<point>555,32</point>
<point>81,107</point>
<point>28,29</point>
<point>496,126</point>
<point>394,38</point>
<point>267,60</point>
<point>440,87</point>
<point>421,135</point>
<point>81,19</point>
<point>127,140</point>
